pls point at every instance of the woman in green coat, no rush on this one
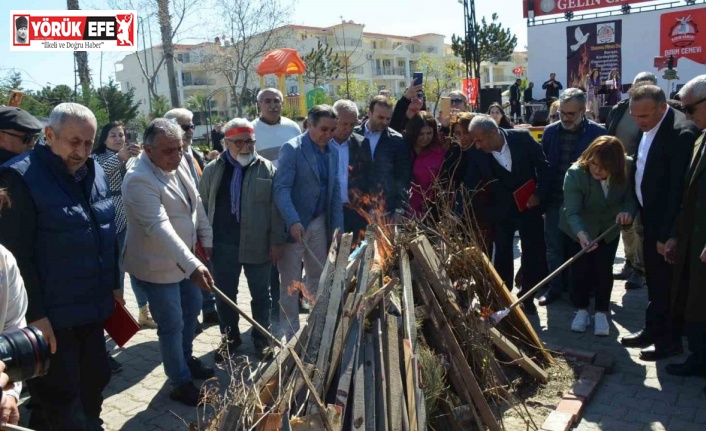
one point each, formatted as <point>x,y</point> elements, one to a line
<point>598,193</point>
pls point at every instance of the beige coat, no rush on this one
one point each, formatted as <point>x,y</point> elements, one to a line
<point>162,224</point>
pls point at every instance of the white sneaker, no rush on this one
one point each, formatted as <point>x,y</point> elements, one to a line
<point>600,324</point>
<point>581,321</point>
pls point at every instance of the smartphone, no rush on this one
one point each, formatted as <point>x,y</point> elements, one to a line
<point>417,78</point>
<point>445,105</point>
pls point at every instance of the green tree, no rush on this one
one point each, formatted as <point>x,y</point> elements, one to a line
<point>198,103</point>
<point>441,75</point>
<point>54,96</point>
<point>160,105</point>
<point>358,90</point>
<point>118,106</point>
<point>322,65</point>
<point>495,43</point>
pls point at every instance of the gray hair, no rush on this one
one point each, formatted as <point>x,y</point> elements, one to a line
<point>179,114</point>
<point>645,77</point>
<point>696,88</point>
<point>649,91</point>
<point>458,93</point>
<point>484,123</point>
<point>235,123</point>
<point>318,112</point>
<point>69,111</point>
<point>573,94</point>
<point>345,105</point>
<point>270,90</point>
<point>161,127</point>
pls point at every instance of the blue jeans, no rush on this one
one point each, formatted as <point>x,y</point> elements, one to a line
<point>208,304</point>
<point>226,273</point>
<point>556,248</point>
<point>140,296</point>
<point>175,307</point>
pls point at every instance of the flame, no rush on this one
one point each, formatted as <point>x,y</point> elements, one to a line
<point>372,208</point>
<point>298,286</point>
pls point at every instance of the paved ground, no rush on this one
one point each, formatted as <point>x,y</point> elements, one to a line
<point>638,396</point>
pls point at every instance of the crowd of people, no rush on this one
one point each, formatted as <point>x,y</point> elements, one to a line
<point>82,213</point>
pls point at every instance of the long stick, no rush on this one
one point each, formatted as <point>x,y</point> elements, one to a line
<point>298,362</point>
<point>10,427</point>
<point>496,317</point>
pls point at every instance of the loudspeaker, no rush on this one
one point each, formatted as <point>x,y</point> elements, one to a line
<point>603,112</point>
<point>488,96</point>
<point>539,118</point>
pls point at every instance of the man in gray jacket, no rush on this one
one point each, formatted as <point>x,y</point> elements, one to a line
<point>236,190</point>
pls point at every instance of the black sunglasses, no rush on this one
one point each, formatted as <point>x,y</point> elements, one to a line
<point>27,139</point>
<point>457,100</point>
<point>187,127</point>
<point>690,109</point>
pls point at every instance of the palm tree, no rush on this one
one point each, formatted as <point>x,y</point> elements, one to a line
<point>198,103</point>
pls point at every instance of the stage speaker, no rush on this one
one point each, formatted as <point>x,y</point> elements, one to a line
<point>539,118</point>
<point>603,112</point>
<point>488,96</point>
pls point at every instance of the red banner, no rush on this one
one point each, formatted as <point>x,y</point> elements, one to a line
<point>683,34</point>
<point>552,7</point>
<point>470,89</point>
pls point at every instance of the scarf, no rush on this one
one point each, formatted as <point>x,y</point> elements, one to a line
<point>236,184</point>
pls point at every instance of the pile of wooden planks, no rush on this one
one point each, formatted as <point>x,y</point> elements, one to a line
<point>356,363</point>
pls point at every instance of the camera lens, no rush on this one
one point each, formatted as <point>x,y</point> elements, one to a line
<point>25,353</point>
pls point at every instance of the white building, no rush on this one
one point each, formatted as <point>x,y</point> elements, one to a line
<point>500,74</point>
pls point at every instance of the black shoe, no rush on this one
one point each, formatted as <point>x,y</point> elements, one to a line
<point>210,318</point>
<point>625,272</point>
<point>547,299</point>
<point>685,369</point>
<point>262,348</point>
<point>199,370</point>
<point>653,353</point>
<point>115,366</point>
<point>226,350</point>
<point>636,280</point>
<point>199,328</point>
<point>641,338</point>
<point>187,394</point>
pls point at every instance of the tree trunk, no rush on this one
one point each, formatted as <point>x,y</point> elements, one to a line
<point>165,26</point>
<point>84,73</point>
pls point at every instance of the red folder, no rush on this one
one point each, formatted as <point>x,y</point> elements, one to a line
<point>523,194</point>
<point>201,253</point>
<point>121,326</point>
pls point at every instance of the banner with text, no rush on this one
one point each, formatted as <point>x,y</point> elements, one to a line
<point>470,89</point>
<point>73,30</point>
<point>552,7</point>
<point>683,34</point>
<point>592,46</point>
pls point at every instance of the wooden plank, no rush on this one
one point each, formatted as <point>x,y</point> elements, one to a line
<point>414,393</point>
<point>359,415</point>
<point>395,395</point>
<point>381,382</point>
<point>343,392</point>
<point>516,355</point>
<point>230,418</point>
<point>331,319</point>
<point>280,368</point>
<point>370,375</point>
<point>320,308</point>
<point>458,360</point>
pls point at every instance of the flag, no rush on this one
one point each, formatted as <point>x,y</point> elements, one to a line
<point>517,70</point>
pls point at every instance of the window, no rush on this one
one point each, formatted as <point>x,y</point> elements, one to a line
<point>293,89</point>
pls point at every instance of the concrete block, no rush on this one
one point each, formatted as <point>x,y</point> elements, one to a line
<point>604,360</point>
<point>580,354</point>
<point>573,405</point>
<point>557,421</point>
<point>584,388</point>
<point>591,372</point>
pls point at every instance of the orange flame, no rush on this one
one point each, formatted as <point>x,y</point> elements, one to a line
<point>372,208</point>
<point>298,286</point>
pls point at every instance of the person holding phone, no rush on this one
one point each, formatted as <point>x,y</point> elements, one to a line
<point>409,105</point>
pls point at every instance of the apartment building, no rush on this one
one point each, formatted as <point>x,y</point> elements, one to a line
<point>500,74</point>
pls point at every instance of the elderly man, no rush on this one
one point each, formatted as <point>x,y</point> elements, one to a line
<point>621,125</point>
<point>355,164</point>
<point>687,248</point>
<point>563,143</point>
<point>515,159</point>
<point>248,233</point>
<point>308,196</point>
<point>663,155</point>
<point>194,161</point>
<point>165,218</point>
<point>61,230</point>
<point>18,132</point>
<point>392,169</point>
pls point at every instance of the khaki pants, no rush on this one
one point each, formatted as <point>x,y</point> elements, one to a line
<point>632,242</point>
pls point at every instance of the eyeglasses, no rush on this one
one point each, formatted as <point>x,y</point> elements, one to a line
<point>187,127</point>
<point>457,101</point>
<point>690,109</point>
<point>568,114</point>
<point>28,138</point>
<point>241,143</point>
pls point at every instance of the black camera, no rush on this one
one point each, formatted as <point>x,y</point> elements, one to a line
<point>25,353</point>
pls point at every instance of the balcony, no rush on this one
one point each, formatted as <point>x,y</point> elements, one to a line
<point>198,82</point>
<point>389,71</point>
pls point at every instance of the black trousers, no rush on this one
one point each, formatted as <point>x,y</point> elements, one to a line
<point>696,337</point>
<point>274,295</point>
<point>516,110</point>
<point>534,266</point>
<point>666,328</point>
<point>70,396</point>
<point>593,272</point>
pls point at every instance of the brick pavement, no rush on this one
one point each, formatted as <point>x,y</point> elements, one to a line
<point>637,396</point>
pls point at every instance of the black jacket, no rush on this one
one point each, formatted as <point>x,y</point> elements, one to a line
<point>514,92</point>
<point>360,166</point>
<point>552,91</point>
<point>527,95</point>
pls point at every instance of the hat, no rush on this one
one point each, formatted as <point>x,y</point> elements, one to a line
<point>21,22</point>
<point>12,118</point>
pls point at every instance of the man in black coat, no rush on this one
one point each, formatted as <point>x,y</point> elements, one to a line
<point>514,159</point>
<point>392,169</point>
<point>515,106</point>
<point>552,87</point>
<point>18,132</point>
<point>663,156</point>
<point>527,98</point>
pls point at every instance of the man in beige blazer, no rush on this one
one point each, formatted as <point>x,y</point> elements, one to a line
<point>165,218</point>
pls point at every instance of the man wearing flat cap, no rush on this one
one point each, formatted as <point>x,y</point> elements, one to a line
<point>21,27</point>
<point>18,132</point>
